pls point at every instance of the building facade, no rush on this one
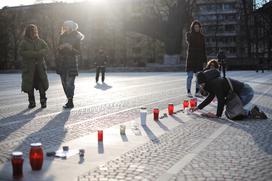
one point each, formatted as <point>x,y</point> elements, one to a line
<point>224,27</point>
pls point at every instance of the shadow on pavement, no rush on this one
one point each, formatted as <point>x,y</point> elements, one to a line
<point>6,131</point>
<point>51,136</point>
<point>102,86</point>
<point>100,147</point>
<point>162,126</point>
<point>124,137</point>
<point>151,135</point>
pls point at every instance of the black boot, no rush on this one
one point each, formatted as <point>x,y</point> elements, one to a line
<point>31,104</point>
<point>69,104</point>
<point>43,103</point>
<point>43,98</point>
<point>31,99</point>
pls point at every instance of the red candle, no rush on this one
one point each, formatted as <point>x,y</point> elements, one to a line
<point>36,156</point>
<point>192,103</point>
<point>100,135</point>
<point>17,164</point>
<point>156,112</point>
<point>170,108</point>
<point>185,104</point>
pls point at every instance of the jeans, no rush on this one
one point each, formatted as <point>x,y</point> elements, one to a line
<point>68,84</point>
<point>190,75</point>
<point>98,70</point>
<point>246,94</point>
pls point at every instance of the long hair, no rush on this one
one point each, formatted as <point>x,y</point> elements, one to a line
<point>29,29</point>
<point>193,24</point>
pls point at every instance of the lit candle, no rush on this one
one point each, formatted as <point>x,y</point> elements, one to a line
<point>122,129</point>
<point>17,164</point>
<point>156,112</point>
<point>100,135</point>
<point>36,156</point>
<point>170,108</point>
<point>185,104</point>
<point>192,103</point>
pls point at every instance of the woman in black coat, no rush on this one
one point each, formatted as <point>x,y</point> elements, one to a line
<point>196,54</point>
<point>211,82</point>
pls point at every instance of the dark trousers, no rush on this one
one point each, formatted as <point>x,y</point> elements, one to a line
<point>38,85</point>
<point>68,84</point>
<point>98,70</point>
<point>260,67</point>
<point>31,96</point>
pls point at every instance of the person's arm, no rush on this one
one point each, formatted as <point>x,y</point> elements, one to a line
<point>188,37</point>
<point>28,54</point>
<point>44,49</point>
<point>207,101</point>
<point>76,48</point>
<point>220,104</point>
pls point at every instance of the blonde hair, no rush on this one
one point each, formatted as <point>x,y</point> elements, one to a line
<point>213,62</point>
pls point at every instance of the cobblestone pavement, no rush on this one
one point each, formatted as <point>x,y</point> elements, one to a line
<point>243,150</point>
<point>240,151</point>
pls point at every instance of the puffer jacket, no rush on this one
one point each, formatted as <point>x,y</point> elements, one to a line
<point>67,60</point>
<point>33,54</point>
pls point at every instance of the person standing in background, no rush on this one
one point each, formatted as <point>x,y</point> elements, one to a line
<point>67,62</point>
<point>196,55</point>
<point>33,50</point>
<point>100,63</point>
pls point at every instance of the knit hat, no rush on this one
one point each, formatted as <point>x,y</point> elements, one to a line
<point>201,78</point>
<point>71,25</point>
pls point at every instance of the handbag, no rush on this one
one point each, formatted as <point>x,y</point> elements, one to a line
<point>234,106</point>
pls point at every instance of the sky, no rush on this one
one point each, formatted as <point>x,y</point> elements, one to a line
<point>28,2</point>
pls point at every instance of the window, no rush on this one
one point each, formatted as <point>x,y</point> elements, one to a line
<point>230,28</point>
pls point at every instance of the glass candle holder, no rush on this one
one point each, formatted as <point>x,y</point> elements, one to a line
<point>156,112</point>
<point>192,103</point>
<point>170,109</point>
<point>185,104</point>
<point>17,162</point>
<point>143,114</point>
<point>100,135</point>
<point>36,156</point>
<point>122,129</point>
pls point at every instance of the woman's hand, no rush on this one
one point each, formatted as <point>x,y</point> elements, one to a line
<point>194,109</point>
<point>209,115</point>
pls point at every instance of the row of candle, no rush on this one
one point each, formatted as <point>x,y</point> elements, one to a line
<point>35,159</point>
<point>36,152</point>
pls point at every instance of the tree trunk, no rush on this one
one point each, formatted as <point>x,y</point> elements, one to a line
<point>245,8</point>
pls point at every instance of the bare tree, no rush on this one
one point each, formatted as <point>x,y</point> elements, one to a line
<point>165,21</point>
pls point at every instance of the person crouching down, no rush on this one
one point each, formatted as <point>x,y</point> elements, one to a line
<point>220,88</point>
<point>67,62</point>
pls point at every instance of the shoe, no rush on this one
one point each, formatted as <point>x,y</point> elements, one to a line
<point>255,108</point>
<point>263,115</point>
<point>197,94</point>
<point>69,104</point>
<point>189,94</point>
<point>43,103</point>
<point>255,113</point>
<point>31,104</point>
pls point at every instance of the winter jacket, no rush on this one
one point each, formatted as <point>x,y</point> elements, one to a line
<point>219,87</point>
<point>33,54</point>
<point>101,60</point>
<point>67,60</point>
<point>196,52</point>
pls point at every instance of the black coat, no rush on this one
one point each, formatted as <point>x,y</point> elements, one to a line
<point>67,61</point>
<point>196,53</point>
<point>219,87</point>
